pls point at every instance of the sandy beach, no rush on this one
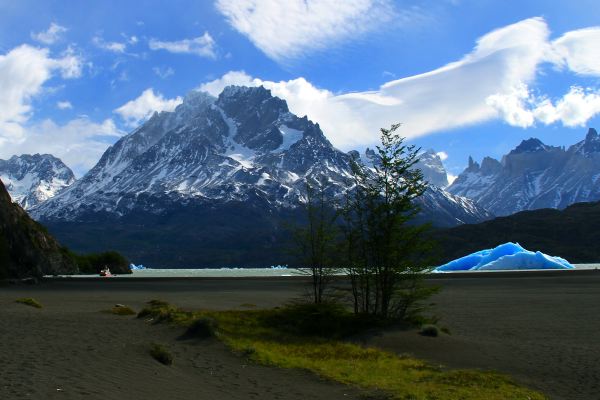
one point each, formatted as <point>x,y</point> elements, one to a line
<point>540,329</point>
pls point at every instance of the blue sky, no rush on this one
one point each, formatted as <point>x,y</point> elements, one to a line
<point>465,77</point>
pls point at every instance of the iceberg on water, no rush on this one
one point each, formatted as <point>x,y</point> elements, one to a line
<point>507,256</point>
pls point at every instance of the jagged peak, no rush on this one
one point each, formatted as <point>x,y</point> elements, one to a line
<point>592,135</point>
<point>531,145</point>
<point>473,165</point>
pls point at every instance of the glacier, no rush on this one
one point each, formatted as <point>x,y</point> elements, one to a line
<point>507,256</point>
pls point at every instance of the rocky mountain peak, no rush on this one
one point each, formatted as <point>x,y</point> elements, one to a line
<point>591,143</point>
<point>473,166</point>
<point>531,145</point>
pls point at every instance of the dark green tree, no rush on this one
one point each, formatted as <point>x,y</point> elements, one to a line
<point>385,249</point>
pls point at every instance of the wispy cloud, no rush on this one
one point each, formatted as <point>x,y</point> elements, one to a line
<point>163,73</point>
<point>485,84</point>
<point>135,111</point>
<point>203,46</point>
<point>51,35</point>
<point>115,47</point>
<point>289,29</point>
<point>64,105</point>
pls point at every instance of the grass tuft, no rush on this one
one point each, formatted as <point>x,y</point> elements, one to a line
<point>28,301</point>
<point>161,354</point>
<point>120,309</point>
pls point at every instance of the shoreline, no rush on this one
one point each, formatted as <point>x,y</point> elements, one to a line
<point>431,276</point>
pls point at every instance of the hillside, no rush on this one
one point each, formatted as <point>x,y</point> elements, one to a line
<point>26,248</point>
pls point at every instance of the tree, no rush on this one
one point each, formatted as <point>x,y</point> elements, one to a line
<point>317,239</point>
<point>384,248</point>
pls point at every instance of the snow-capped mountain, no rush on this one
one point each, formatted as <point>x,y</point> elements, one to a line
<point>534,175</point>
<point>214,170</point>
<point>241,145</point>
<point>33,179</point>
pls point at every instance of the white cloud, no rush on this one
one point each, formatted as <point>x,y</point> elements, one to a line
<point>23,72</point>
<point>51,35</point>
<point>163,73</point>
<point>523,109</point>
<point>135,111</point>
<point>64,105</point>
<point>513,106</point>
<point>489,83</point>
<point>79,143</point>
<point>580,51</point>
<point>442,155</point>
<point>288,29</point>
<point>203,46</point>
<point>115,47</point>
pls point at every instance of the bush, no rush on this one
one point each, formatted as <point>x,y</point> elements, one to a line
<point>430,330</point>
<point>161,354</point>
<point>28,301</point>
<point>203,327</point>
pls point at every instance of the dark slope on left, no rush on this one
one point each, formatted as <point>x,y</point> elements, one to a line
<point>26,248</point>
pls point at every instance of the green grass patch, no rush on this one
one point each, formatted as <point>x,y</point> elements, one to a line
<point>311,337</point>
<point>28,301</point>
<point>121,310</point>
<point>161,354</point>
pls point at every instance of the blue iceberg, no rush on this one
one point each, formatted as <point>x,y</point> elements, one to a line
<point>507,256</point>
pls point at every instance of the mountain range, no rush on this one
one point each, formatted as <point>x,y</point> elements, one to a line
<point>533,176</point>
<point>218,181</point>
<point>185,185</point>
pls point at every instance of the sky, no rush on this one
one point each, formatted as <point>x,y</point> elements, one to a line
<point>464,77</point>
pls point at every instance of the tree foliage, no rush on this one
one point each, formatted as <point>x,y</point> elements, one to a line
<point>385,250</point>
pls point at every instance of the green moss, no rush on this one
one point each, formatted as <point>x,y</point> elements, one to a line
<point>28,301</point>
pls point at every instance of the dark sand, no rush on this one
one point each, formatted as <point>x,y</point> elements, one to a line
<point>544,331</point>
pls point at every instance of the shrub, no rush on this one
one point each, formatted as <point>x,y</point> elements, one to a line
<point>430,330</point>
<point>203,327</point>
<point>161,354</point>
<point>29,302</point>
